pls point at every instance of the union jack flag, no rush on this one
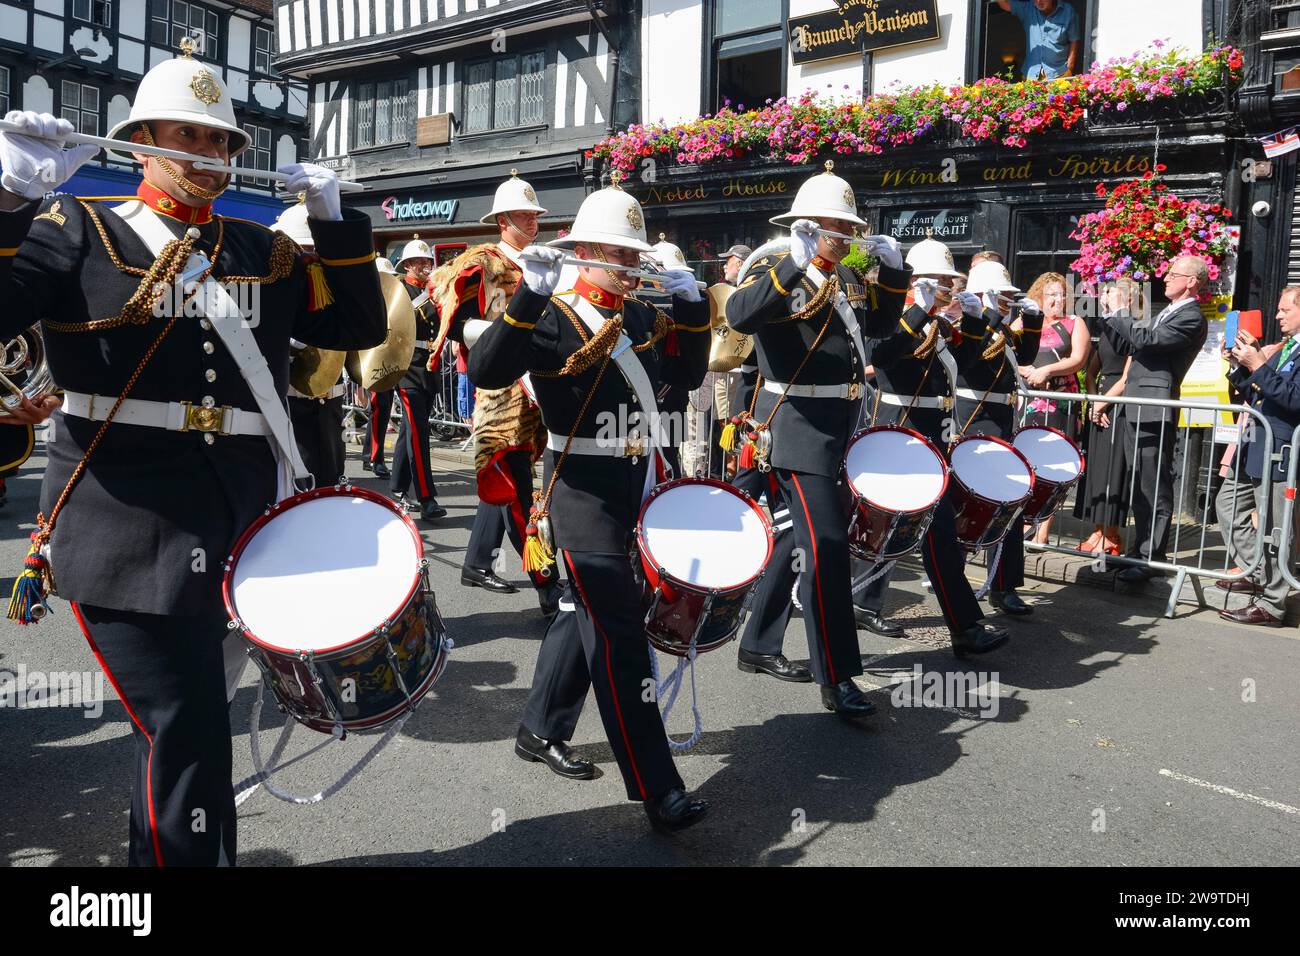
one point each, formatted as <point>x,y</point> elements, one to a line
<point>1279,144</point>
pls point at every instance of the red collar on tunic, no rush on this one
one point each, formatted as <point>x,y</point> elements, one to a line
<point>598,296</point>
<point>161,203</point>
<point>824,265</point>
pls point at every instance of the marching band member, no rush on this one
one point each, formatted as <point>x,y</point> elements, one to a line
<point>381,411</point>
<point>416,391</point>
<point>914,390</point>
<point>508,433</point>
<point>596,356</point>
<point>986,395</point>
<point>809,315</point>
<point>673,399</point>
<point>317,422</point>
<point>163,454</point>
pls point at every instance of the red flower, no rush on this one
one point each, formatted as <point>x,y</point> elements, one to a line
<point>1161,167</point>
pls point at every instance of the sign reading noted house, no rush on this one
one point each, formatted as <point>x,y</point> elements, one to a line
<point>859,25</point>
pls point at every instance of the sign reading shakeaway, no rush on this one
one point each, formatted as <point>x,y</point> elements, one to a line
<point>861,25</point>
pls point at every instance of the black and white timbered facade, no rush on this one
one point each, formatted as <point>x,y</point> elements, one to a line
<point>431,103</point>
<point>82,59</point>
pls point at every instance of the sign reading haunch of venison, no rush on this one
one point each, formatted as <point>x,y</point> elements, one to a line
<point>861,25</point>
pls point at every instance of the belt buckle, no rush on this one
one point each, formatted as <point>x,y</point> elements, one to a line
<point>946,403</point>
<point>855,391</point>
<point>634,448</point>
<point>200,418</point>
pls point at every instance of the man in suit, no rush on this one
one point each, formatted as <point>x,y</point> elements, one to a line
<point>1162,350</point>
<point>1270,384</point>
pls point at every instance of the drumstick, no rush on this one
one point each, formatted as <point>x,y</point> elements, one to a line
<point>206,163</point>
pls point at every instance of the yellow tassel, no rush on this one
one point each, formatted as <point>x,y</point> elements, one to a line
<point>728,440</point>
<point>318,293</point>
<point>536,557</point>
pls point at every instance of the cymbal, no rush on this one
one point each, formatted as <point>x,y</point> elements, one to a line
<point>382,367</point>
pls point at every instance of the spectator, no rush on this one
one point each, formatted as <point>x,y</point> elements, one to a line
<point>1051,37</point>
<point>1162,350</point>
<point>1271,385</point>
<point>464,387</point>
<point>734,258</point>
<point>1063,349</point>
<point>1100,497</point>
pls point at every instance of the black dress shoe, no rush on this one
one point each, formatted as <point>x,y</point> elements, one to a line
<point>430,510</point>
<point>874,623</point>
<point>675,811</point>
<point>548,597</point>
<point>1138,574</point>
<point>846,700</point>
<point>556,754</point>
<point>380,470</point>
<point>366,465</point>
<point>1009,602</point>
<point>774,665</point>
<point>980,638</point>
<point>474,578</point>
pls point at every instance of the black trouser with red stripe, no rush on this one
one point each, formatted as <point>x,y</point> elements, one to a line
<point>602,644</point>
<point>819,539</point>
<point>381,410</point>
<point>169,673</point>
<point>493,522</point>
<point>945,562</point>
<point>411,457</point>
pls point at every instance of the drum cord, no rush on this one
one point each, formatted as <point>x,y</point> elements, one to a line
<point>675,681</point>
<point>877,570</point>
<point>993,569</point>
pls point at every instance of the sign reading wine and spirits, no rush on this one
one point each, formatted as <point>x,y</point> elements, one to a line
<point>859,25</point>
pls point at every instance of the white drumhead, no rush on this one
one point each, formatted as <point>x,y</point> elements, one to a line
<point>895,470</point>
<point>705,535</point>
<point>1054,457</point>
<point>991,470</point>
<point>324,573</point>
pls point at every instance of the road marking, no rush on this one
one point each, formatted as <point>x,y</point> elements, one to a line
<point>1248,797</point>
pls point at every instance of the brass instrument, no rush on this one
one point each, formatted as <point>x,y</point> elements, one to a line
<point>382,367</point>
<point>728,348</point>
<point>314,371</point>
<point>24,369</point>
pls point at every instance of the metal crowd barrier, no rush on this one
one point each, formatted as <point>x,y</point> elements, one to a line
<point>1286,527</point>
<point>1195,453</point>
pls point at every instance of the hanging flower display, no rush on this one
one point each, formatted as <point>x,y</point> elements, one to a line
<point>993,110</point>
<point>1144,227</point>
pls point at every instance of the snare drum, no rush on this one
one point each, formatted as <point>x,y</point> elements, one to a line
<point>1057,464</point>
<point>898,479</point>
<point>330,590</point>
<point>704,546</point>
<point>991,483</point>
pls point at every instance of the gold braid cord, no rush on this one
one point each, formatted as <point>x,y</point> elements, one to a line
<point>601,344</point>
<point>177,177</point>
<point>926,348</point>
<point>996,345</point>
<point>822,296</point>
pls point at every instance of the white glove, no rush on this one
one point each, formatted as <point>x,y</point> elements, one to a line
<point>542,267</point>
<point>680,282</point>
<point>887,250</point>
<point>1028,306</point>
<point>321,186</point>
<point>803,242</point>
<point>991,302</point>
<point>971,304</point>
<point>924,292</point>
<point>33,167</point>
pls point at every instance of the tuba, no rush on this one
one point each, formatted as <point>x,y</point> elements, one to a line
<point>382,367</point>
<point>24,370</point>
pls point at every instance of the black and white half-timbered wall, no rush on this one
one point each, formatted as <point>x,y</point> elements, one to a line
<point>431,103</point>
<point>82,59</point>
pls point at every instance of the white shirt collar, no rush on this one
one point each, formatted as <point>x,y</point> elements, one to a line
<point>510,251</point>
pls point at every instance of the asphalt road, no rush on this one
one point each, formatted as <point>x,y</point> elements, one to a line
<point>1119,738</point>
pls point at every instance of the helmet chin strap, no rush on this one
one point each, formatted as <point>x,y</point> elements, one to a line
<point>511,224</point>
<point>620,284</point>
<point>176,176</point>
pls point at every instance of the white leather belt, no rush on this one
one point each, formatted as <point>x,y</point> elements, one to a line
<point>922,401</point>
<point>997,398</point>
<point>173,416</point>
<point>601,447</point>
<point>339,389</point>
<point>849,390</point>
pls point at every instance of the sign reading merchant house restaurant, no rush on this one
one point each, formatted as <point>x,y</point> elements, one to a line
<point>860,25</point>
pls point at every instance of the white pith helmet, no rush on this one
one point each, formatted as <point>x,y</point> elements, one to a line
<point>930,257</point>
<point>181,90</point>
<point>989,276</point>
<point>608,216</point>
<point>824,196</point>
<point>668,255</point>
<point>384,266</point>
<point>417,248</point>
<point>513,195</point>
<point>293,223</point>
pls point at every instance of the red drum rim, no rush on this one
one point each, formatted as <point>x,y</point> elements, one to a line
<point>1083,460</point>
<point>1005,444</point>
<point>647,556</point>
<point>943,464</point>
<point>347,491</point>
